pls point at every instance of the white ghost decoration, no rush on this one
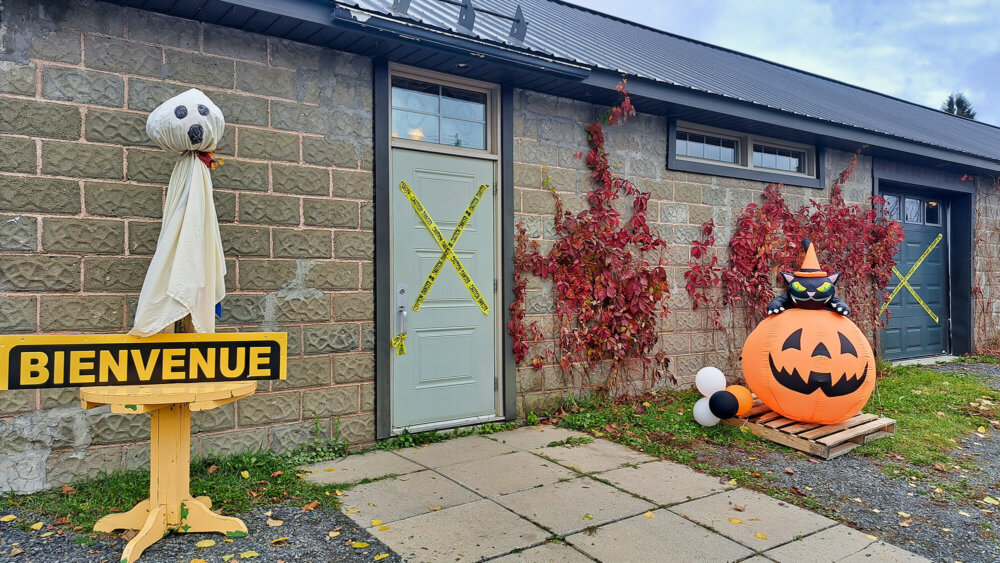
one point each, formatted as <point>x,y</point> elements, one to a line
<point>188,270</point>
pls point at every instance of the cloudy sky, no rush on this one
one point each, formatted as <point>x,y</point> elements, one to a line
<point>918,50</point>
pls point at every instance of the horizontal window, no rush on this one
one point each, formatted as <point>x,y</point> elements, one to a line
<point>432,113</point>
<point>763,158</point>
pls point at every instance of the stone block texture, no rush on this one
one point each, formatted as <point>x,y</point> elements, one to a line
<point>81,196</point>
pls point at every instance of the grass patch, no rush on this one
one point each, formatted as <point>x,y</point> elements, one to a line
<point>570,442</point>
<point>932,410</point>
<point>977,360</point>
<point>272,478</point>
<point>659,424</point>
<point>407,440</point>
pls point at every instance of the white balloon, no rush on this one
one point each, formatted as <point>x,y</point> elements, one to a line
<point>703,415</point>
<point>709,380</point>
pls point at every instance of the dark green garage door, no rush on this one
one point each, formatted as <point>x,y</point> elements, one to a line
<point>918,325</point>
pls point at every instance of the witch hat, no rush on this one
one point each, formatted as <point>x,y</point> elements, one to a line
<point>810,265</point>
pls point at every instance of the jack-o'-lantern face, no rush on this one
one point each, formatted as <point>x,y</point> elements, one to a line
<point>810,365</point>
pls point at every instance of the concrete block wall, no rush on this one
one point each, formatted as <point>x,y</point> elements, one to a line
<point>81,192</point>
<point>548,132</point>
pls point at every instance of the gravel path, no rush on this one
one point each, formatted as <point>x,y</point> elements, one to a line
<point>857,491</point>
<point>307,533</point>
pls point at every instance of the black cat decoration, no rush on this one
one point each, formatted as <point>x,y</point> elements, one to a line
<point>809,287</point>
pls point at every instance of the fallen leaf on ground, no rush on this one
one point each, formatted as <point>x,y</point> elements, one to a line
<point>380,556</point>
<point>588,516</point>
<point>649,514</point>
<point>981,429</point>
<point>434,508</point>
<point>735,521</point>
<point>249,555</point>
<point>67,490</point>
<point>904,514</point>
<point>8,518</point>
<point>811,460</point>
<point>732,482</point>
<point>245,474</point>
<point>311,506</point>
<point>37,526</point>
<point>964,513</point>
<point>276,541</point>
<point>213,469</point>
<point>355,511</point>
<point>339,493</point>
<point>739,507</point>
<point>278,473</point>
<point>274,523</point>
<point>991,500</point>
<point>906,523</point>
<point>760,536</point>
<point>205,543</point>
<point>857,499</point>
<point>198,561</point>
<point>46,534</point>
<point>790,471</point>
<point>16,551</point>
<point>376,522</point>
<point>871,537</point>
<point>333,534</point>
<point>359,545</point>
<point>329,469</point>
<point>404,478</point>
<point>228,557</point>
<point>796,491</point>
<point>383,528</point>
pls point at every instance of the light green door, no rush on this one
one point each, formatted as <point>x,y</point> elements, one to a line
<point>448,373</point>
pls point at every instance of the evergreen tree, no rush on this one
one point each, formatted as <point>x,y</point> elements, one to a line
<point>958,104</point>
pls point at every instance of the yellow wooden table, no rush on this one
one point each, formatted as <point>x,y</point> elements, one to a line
<point>170,506</point>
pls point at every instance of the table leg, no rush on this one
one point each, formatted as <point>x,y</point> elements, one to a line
<point>170,506</point>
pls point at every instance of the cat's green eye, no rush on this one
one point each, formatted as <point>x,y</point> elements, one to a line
<point>825,287</point>
<point>798,286</point>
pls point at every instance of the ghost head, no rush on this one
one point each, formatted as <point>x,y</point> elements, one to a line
<point>187,122</point>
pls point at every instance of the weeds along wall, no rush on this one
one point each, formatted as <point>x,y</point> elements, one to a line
<point>81,194</point>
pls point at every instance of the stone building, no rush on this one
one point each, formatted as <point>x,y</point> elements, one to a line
<point>329,107</point>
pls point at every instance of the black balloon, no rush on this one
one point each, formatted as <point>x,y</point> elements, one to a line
<point>723,404</point>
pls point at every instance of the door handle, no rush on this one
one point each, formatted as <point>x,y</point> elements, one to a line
<point>398,342</point>
<point>401,319</point>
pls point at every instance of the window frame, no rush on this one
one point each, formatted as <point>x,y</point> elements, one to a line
<point>744,168</point>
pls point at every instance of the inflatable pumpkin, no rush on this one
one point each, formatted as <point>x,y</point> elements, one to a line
<point>810,365</point>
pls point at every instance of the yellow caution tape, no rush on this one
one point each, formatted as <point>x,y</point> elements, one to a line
<point>447,247</point>
<point>398,344</point>
<point>904,281</point>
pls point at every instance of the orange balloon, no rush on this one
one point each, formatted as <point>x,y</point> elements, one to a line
<point>810,365</point>
<point>743,396</point>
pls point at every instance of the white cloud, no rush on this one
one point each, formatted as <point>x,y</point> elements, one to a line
<point>918,50</point>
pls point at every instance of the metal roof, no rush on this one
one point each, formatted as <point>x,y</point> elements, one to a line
<point>570,33</point>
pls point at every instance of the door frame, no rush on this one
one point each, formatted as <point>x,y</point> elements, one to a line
<point>894,176</point>
<point>500,150</point>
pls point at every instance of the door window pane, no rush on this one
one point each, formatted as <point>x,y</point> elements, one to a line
<point>459,133</point>
<point>892,206</point>
<point>932,213</point>
<point>416,126</point>
<point>912,210</point>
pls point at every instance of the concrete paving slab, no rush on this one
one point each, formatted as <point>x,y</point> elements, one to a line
<point>602,455</point>
<point>832,544</point>
<point>505,474</point>
<point>778,522</point>
<point>533,437</point>
<point>648,539</point>
<point>390,500</point>
<point>451,452</point>
<point>757,559</point>
<point>546,553</point>
<point>468,532</point>
<point>354,468</point>
<point>564,507</point>
<point>664,482</point>
<point>884,553</point>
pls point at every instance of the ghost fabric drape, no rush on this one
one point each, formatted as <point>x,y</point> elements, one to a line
<point>187,273</point>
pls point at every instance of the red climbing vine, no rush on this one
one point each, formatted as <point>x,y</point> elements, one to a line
<point>608,296</point>
<point>859,241</point>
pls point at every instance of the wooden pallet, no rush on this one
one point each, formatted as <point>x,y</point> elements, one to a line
<point>825,441</point>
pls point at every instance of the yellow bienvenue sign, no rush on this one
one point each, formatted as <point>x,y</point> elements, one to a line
<point>86,360</point>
